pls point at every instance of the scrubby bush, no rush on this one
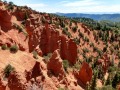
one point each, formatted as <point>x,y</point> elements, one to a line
<point>62,24</point>
<point>85,50</point>
<point>7,70</point>
<point>86,39</point>
<point>104,49</point>
<point>43,20</point>
<point>108,87</point>
<point>70,23</point>
<point>74,29</point>
<point>81,34</point>
<point>4,47</point>
<point>94,80</point>
<point>65,64</point>
<point>91,44</point>
<point>14,48</point>
<point>47,57</point>
<point>77,66</point>
<point>35,54</point>
<point>76,40</point>
<point>65,31</point>
<point>95,49</point>
<point>18,27</point>
<point>116,79</point>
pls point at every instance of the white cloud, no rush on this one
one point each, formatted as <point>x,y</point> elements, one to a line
<point>81,3</point>
<point>88,6</point>
<point>36,5</point>
<point>62,2</point>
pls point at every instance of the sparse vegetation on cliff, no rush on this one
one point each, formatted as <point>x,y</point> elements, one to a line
<point>14,48</point>
<point>60,44</point>
<point>7,70</point>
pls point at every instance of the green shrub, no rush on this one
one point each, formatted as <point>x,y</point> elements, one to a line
<point>111,69</point>
<point>77,66</point>
<point>116,79</point>
<point>43,20</point>
<point>35,54</point>
<point>76,40</point>
<point>85,50</point>
<point>69,34</point>
<point>118,55</point>
<point>104,49</point>
<point>95,49</point>
<point>94,81</point>
<point>60,88</point>
<point>7,70</point>
<point>47,57</point>
<point>62,24</point>
<point>91,44</point>
<point>65,31</point>
<point>18,27</point>
<point>70,23</point>
<point>4,47</point>
<point>14,49</point>
<point>65,64</point>
<point>26,16</point>
<point>100,52</point>
<point>81,34</point>
<point>86,39</point>
<point>108,87</point>
<point>74,29</point>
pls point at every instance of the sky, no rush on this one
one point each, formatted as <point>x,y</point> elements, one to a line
<point>71,6</point>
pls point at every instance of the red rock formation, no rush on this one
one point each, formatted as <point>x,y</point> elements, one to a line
<point>38,50</point>
<point>64,48</point>
<point>49,40</point>
<point>55,64</point>
<point>35,72</point>
<point>5,20</point>
<point>19,15</point>
<point>72,51</point>
<point>1,4</point>
<point>68,50</point>
<point>84,75</point>
<point>14,82</point>
<point>106,62</point>
<point>2,86</point>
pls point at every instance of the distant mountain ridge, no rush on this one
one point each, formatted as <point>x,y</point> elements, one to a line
<point>110,17</point>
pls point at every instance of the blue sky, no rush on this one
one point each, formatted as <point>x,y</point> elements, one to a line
<point>72,6</point>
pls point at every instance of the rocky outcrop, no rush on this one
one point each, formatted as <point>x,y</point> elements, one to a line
<point>2,85</point>
<point>35,72</point>
<point>20,15</point>
<point>5,20</point>
<point>64,48</point>
<point>1,3</point>
<point>14,82</point>
<point>68,50</point>
<point>105,62</point>
<point>49,40</point>
<point>55,64</point>
<point>84,75</point>
<point>72,51</point>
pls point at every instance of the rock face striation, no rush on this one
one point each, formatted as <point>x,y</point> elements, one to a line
<point>84,75</point>
<point>55,64</point>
